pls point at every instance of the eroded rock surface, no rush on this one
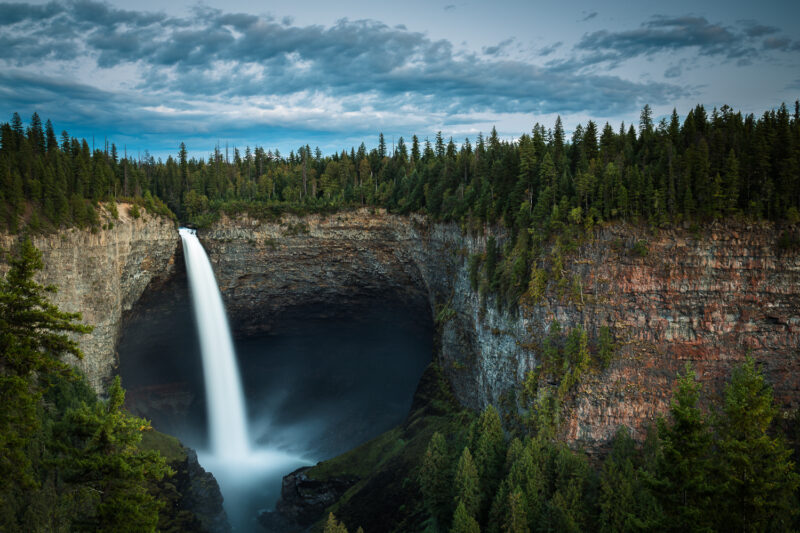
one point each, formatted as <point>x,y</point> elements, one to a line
<point>102,274</point>
<point>708,298</point>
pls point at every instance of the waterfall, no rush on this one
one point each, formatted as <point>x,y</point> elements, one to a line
<point>224,396</point>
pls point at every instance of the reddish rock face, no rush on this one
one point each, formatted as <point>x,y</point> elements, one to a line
<point>708,300</point>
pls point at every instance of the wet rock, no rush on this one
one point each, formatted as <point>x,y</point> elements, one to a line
<point>303,501</point>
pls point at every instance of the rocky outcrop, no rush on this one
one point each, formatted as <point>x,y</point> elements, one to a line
<point>201,495</point>
<point>707,297</point>
<point>101,274</point>
<point>190,497</point>
<point>303,501</point>
<point>267,270</point>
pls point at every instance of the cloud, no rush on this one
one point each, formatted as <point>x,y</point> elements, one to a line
<point>673,71</point>
<point>661,34</point>
<point>549,49</point>
<point>449,7</point>
<point>590,16</point>
<point>783,44</point>
<point>498,48</point>
<point>213,71</point>
<point>754,29</point>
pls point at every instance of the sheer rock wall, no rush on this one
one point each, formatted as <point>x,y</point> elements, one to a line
<point>101,275</point>
<point>707,297</point>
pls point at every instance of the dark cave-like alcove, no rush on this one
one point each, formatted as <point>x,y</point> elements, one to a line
<point>328,377</point>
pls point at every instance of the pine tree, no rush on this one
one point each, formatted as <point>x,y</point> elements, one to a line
<point>33,331</point>
<point>684,472</point>
<point>463,522</point>
<point>466,485</point>
<point>517,520</point>
<point>758,480</point>
<point>626,504</point>
<point>33,336</point>
<point>334,526</point>
<point>102,461</point>
<point>433,476</point>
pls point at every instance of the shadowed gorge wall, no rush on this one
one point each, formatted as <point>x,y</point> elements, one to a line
<point>705,296</point>
<point>326,375</point>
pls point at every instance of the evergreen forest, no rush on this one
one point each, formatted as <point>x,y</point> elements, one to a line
<point>703,166</point>
<point>72,462</point>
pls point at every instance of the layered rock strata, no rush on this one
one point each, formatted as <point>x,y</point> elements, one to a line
<point>101,274</point>
<point>707,297</point>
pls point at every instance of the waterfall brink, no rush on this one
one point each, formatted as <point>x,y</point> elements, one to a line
<point>226,411</point>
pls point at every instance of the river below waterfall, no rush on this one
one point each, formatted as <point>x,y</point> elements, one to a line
<point>313,389</point>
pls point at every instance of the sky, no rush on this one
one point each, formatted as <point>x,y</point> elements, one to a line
<point>281,74</point>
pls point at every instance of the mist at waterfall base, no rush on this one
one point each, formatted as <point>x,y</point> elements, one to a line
<point>313,389</point>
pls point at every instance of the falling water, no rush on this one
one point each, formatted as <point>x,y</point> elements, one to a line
<point>224,397</point>
<point>240,470</point>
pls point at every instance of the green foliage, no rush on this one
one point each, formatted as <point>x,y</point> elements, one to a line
<point>33,331</point>
<point>517,519</point>
<point>640,248</point>
<point>490,453</point>
<point>444,313</point>
<point>684,472</point>
<point>134,211</point>
<point>757,478</point>
<point>103,463</point>
<point>334,526</point>
<point>474,271</point>
<point>67,461</point>
<point>466,484</point>
<point>625,501</point>
<point>463,521</point>
<point>433,479</point>
<point>537,285</point>
<point>605,346</point>
<point>686,476</point>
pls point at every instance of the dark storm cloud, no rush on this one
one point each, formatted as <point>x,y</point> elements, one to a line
<point>11,13</point>
<point>667,33</point>
<point>262,56</point>
<point>754,29</point>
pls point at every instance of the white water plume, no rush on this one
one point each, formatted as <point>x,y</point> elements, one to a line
<point>242,472</point>
<point>224,397</point>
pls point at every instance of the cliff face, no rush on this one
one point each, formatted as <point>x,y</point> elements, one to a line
<point>101,275</point>
<point>707,298</point>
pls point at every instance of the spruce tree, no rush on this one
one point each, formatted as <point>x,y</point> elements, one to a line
<point>758,480</point>
<point>517,519</point>
<point>463,521</point>
<point>466,485</point>
<point>684,471</point>
<point>333,526</point>
<point>433,477</point>
<point>108,471</point>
